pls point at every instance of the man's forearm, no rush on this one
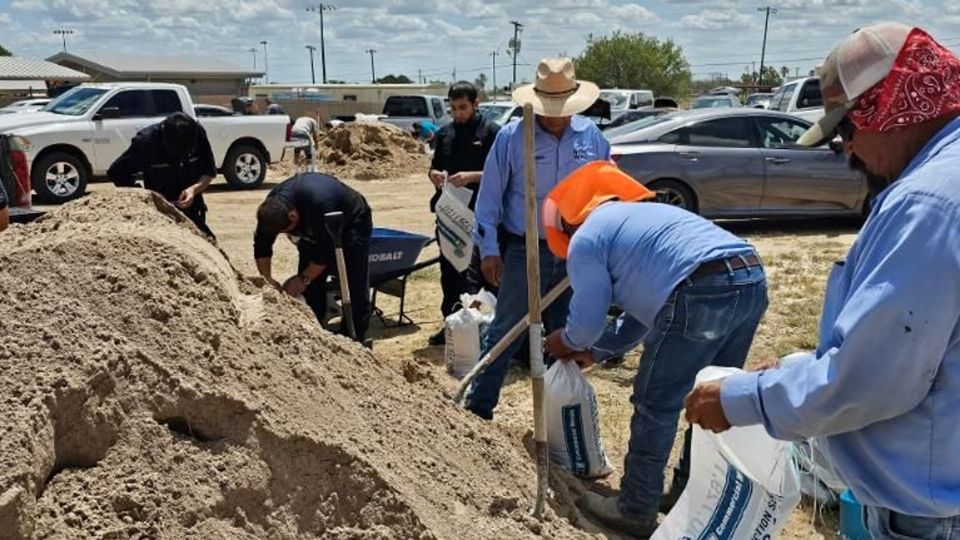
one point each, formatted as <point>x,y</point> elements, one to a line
<point>313,271</point>
<point>264,267</point>
<point>202,184</point>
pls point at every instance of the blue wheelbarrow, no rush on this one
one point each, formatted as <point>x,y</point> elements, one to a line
<point>393,258</point>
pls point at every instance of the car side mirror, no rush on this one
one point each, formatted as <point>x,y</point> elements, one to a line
<point>108,113</point>
<point>836,145</point>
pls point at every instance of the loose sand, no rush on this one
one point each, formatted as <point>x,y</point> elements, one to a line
<point>152,391</point>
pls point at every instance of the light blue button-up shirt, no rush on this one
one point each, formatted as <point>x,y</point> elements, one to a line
<point>634,255</point>
<point>885,386</point>
<point>501,198</point>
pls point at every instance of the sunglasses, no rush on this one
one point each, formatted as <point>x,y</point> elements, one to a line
<point>846,129</point>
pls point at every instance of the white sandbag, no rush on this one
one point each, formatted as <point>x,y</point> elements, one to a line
<point>573,422</point>
<point>462,331</point>
<point>455,225</point>
<point>743,484</point>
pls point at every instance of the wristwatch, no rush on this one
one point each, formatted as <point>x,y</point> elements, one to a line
<point>306,281</point>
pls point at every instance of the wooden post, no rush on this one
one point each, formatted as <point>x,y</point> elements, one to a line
<point>533,305</point>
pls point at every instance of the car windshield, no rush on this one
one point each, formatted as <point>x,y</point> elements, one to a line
<point>709,103</point>
<point>495,111</point>
<point>618,100</point>
<point>634,126</point>
<point>758,98</point>
<point>406,106</point>
<point>75,102</point>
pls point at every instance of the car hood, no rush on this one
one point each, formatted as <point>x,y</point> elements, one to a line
<point>13,122</point>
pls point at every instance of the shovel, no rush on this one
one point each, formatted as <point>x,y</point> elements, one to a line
<point>333,221</point>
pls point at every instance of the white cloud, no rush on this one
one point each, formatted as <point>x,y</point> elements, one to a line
<point>710,19</point>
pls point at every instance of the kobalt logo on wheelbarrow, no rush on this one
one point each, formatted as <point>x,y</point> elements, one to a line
<point>387,256</point>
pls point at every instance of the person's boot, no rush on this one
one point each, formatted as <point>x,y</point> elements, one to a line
<point>606,511</point>
<point>670,498</point>
<point>440,338</point>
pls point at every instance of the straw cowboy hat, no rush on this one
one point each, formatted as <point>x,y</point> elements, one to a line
<point>557,92</point>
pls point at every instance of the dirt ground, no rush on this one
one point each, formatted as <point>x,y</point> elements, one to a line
<point>797,256</point>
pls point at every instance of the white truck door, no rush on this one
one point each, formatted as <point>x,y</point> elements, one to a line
<point>116,123</point>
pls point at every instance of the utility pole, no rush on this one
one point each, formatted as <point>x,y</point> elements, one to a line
<point>63,33</point>
<point>763,51</point>
<point>313,73</point>
<point>515,48</point>
<point>266,63</point>
<point>419,75</point>
<point>373,71</point>
<point>320,8</point>
<point>253,52</point>
<point>494,56</point>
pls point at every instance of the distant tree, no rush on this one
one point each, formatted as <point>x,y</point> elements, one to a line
<point>395,79</point>
<point>335,81</point>
<point>481,83</point>
<point>635,61</point>
<point>771,77</point>
<point>784,72</point>
<point>4,51</point>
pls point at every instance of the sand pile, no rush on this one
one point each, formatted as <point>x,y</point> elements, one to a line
<point>149,390</point>
<point>366,152</point>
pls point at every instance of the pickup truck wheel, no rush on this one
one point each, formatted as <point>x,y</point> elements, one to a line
<point>58,177</point>
<point>245,167</point>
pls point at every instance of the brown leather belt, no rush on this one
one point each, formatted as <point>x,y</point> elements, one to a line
<point>721,265</point>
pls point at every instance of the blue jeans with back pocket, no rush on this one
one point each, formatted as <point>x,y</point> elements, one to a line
<point>708,320</point>
<point>886,524</point>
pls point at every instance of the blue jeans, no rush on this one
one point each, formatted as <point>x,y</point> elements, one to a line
<point>885,524</point>
<point>709,320</point>
<point>484,393</point>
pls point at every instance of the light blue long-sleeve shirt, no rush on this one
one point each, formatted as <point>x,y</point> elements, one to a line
<point>885,386</point>
<point>501,197</point>
<point>634,255</point>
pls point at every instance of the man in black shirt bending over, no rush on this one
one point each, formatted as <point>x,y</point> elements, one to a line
<point>175,160</point>
<point>297,207</point>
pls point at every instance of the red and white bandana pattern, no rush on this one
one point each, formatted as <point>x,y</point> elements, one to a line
<point>923,84</point>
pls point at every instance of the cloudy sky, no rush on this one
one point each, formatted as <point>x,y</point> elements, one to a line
<point>438,36</point>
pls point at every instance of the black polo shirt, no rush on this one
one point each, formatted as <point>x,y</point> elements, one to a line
<point>463,147</point>
<point>162,172</point>
<point>314,195</point>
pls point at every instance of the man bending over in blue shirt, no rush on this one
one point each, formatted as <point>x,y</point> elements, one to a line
<point>694,294</point>
<point>884,388</point>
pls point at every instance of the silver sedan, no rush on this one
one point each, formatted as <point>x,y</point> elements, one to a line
<point>738,163</point>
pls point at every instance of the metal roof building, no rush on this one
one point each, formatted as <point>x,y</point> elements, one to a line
<point>206,79</point>
<point>20,75</point>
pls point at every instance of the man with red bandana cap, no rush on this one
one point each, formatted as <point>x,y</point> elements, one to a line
<point>883,389</point>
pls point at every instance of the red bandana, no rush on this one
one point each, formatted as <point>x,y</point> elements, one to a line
<point>923,84</point>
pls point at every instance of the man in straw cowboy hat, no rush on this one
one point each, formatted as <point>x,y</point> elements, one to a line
<point>694,292</point>
<point>884,387</point>
<point>564,142</point>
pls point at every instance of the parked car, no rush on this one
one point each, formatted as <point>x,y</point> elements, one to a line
<point>759,100</point>
<point>403,111</point>
<point>800,98</point>
<point>715,102</point>
<point>627,100</point>
<point>740,163</point>
<point>80,134</point>
<point>628,117</point>
<point>501,112</point>
<point>25,105</point>
<point>204,111</point>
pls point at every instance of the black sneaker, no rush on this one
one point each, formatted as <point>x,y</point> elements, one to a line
<point>440,338</point>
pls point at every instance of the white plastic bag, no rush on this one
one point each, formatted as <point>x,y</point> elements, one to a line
<point>462,332</point>
<point>455,225</point>
<point>743,484</point>
<point>573,422</point>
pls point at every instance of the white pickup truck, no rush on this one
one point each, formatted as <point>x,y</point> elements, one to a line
<point>78,135</point>
<point>402,111</point>
<point>800,98</point>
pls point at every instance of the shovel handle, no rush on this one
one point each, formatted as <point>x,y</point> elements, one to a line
<point>333,221</point>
